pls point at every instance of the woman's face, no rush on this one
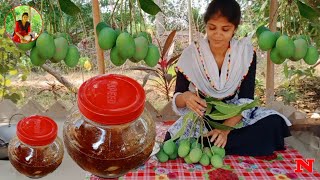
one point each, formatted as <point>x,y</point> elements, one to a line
<point>219,31</point>
<point>25,18</point>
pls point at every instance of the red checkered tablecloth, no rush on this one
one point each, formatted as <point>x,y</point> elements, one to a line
<point>245,167</point>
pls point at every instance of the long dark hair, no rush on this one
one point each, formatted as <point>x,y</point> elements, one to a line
<point>227,8</point>
<point>25,14</point>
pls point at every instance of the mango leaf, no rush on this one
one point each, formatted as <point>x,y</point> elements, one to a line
<point>239,125</point>
<point>149,7</point>
<point>219,125</point>
<point>227,109</point>
<point>184,125</point>
<point>209,108</point>
<point>220,103</point>
<point>306,11</point>
<point>251,105</point>
<point>168,43</point>
<point>209,99</point>
<point>68,7</point>
<point>216,115</point>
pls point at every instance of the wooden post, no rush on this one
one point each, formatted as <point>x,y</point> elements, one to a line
<point>96,20</point>
<point>190,21</point>
<point>270,66</point>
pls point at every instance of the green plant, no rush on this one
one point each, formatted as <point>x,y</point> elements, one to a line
<point>288,93</point>
<point>162,75</point>
<point>259,88</point>
<point>12,66</point>
<point>288,89</point>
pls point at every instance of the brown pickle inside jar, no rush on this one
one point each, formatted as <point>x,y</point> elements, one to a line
<point>110,150</point>
<point>40,152</point>
<point>33,162</point>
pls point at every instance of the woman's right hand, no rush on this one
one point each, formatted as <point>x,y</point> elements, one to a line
<point>194,102</point>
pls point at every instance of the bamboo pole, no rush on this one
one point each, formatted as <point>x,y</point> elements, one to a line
<point>270,66</point>
<point>96,20</point>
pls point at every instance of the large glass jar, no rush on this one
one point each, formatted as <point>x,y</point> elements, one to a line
<point>111,132</point>
<point>36,150</point>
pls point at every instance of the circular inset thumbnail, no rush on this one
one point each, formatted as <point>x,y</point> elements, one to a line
<point>23,24</point>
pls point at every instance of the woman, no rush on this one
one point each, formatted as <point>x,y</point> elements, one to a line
<point>22,30</point>
<point>222,67</point>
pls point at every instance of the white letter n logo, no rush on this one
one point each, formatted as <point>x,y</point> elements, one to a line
<point>306,165</point>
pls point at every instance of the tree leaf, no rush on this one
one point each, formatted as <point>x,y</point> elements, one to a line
<point>149,7</point>
<point>168,77</point>
<point>173,60</point>
<point>306,11</point>
<point>68,7</point>
<point>168,43</point>
<point>4,69</point>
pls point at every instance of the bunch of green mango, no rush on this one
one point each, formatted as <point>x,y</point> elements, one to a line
<point>192,152</point>
<point>55,48</point>
<point>125,46</point>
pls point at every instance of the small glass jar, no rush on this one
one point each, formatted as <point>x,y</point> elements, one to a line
<point>36,151</point>
<point>111,132</point>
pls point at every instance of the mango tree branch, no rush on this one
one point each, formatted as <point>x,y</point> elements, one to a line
<point>316,64</point>
<point>60,78</point>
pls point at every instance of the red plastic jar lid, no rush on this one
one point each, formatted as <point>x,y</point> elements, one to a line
<point>111,99</point>
<point>37,130</point>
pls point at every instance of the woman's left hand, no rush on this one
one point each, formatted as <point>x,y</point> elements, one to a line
<point>219,136</point>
